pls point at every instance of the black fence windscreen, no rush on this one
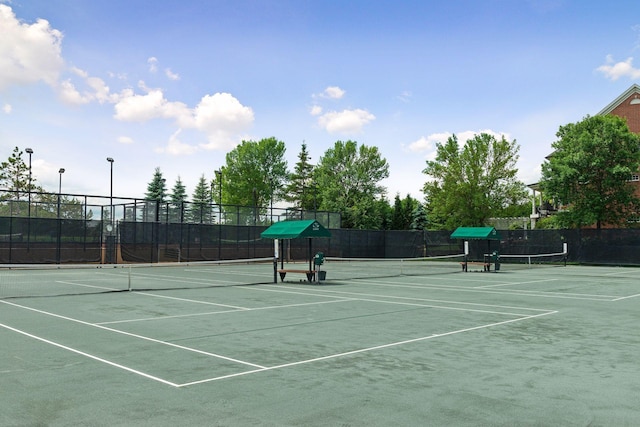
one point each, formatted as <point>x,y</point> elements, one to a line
<point>26,240</point>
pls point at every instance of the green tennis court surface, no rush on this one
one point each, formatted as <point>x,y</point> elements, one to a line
<point>549,346</point>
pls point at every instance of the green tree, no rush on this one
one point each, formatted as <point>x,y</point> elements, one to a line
<point>156,197</point>
<point>177,199</point>
<point>301,191</point>
<point>419,221</point>
<point>157,188</point>
<point>14,175</point>
<point>348,181</point>
<point>402,216</point>
<point>255,173</point>
<point>468,185</point>
<point>589,170</point>
<point>201,210</point>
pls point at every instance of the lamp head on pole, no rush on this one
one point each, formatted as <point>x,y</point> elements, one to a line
<point>28,150</point>
<point>61,171</point>
<point>110,159</point>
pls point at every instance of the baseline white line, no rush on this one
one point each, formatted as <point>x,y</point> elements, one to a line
<point>142,337</point>
<point>90,356</point>
<point>368,349</point>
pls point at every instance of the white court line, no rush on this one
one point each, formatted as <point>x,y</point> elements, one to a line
<point>514,283</point>
<point>90,356</point>
<point>82,285</point>
<point>211,313</point>
<point>426,300</point>
<point>538,294</point>
<point>142,337</point>
<point>627,297</point>
<point>190,300</point>
<point>363,350</point>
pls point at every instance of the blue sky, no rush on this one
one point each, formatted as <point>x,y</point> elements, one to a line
<point>176,85</point>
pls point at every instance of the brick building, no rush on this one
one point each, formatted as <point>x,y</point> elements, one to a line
<point>627,106</point>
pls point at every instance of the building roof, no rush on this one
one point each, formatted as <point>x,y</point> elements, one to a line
<point>294,229</point>
<point>633,90</point>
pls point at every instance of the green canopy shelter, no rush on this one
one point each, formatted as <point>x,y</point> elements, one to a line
<point>476,233</point>
<point>309,229</point>
<point>479,233</point>
<point>293,229</point>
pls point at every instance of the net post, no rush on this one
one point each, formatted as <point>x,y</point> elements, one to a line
<point>276,248</point>
<point>129,279</point>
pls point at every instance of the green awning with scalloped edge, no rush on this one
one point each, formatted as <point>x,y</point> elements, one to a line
<point>476,233</point>
<point>293,229</point>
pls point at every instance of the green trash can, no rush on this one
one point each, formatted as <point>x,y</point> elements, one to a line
<point>318,259</point>
<point>495,258</point>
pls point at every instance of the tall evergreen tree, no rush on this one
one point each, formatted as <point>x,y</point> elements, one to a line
<point>200,211</point>
<point>14,175</point>
<point>156,197</point>
<point>301,190</point>
<point>178,197</point>
<point>420,220</point>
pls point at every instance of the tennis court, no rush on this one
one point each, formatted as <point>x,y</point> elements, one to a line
<point>224,346</point>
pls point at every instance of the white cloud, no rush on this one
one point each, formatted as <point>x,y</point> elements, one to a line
<point>153,64</point>
<point>7,108</point>
<point>346,121</point>
<point>333,92</point>
<point>171,75</point>
<point>222,117</point>
<point>28,52</point>
<point>175,147</point>
<point>614,71</point>
<point>316,110</point>
<point>125,140</point>
<point>153,105</point>
<point>427,144</point>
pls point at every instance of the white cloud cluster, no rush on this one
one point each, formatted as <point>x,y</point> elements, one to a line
<point>32,53</point>
<point>153,68</point>
<point>28,53</point>
<point>333,92</point>
<point>346,121</point>
<point>7,108</point>
<point>615,70</point>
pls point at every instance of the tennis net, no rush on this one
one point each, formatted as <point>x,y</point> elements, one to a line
<point>363,268</point>
<point>35,280</point>
<point>533,260</point>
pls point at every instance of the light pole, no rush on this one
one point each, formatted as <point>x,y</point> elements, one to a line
<point>61,171</point>
<point>59,241</point>
<point>219,176</point>
<point>30,152</point>
<point>110,160</point>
